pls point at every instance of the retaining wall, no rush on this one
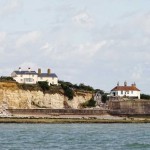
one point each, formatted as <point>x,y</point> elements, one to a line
<point>129,107</point>
<point>57,111</point>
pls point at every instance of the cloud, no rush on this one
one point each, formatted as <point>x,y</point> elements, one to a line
<point>89,50</point>
<point>2,36</point>
<point>83,19</point>
<point>45,46</point>
<point>28,38</point>
<point>137,73</point>
<point>142,21</point>
<point>10,7</point>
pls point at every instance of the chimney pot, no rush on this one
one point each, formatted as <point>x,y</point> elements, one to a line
<point>39,71</point>
<point>118,84</point>
<point>29,69</point>
<point>125,83</point>
<point>48,71</point>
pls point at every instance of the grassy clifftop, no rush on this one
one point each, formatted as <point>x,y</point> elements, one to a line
<point>66,88</point>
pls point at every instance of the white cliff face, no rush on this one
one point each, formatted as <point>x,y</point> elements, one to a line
<point>16,98</point>
<point>79,99</point>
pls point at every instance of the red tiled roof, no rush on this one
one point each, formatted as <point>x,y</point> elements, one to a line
<point>125,88</point>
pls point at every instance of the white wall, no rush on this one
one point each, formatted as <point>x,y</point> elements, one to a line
<point>129,93</point>
<point>50,80</point>
<point>33,79</point>
<point>29,79</point>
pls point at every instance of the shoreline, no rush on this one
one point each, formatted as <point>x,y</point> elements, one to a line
<point>61,120</point>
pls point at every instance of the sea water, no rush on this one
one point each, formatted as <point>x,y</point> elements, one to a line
<point>75,136</point>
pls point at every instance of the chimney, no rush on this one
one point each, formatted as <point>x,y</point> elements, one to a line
<point>39,71</point>
<point>29,69</point>
<point>125,83</point>
<point>20,69</point>
<point>118,84</point>
<point>48,71</point>
<point>133,85</point>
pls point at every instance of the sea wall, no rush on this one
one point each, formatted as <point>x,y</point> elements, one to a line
<point>129,107</point>
<point>16,98</point>
<point>57,112</point>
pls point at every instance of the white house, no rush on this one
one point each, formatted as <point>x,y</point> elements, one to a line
<point>126,91</point>
<point>31,77</point>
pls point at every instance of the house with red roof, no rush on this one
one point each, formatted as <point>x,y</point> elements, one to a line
<point>126,91</point>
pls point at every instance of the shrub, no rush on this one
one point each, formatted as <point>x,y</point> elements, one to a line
<point>30,87</point>
<point>77,87</point>
<point>90,103</point>
<point>104,98</point>
<point>100,91</point>
<point>68,92</point>
<point>4,78</point>
<point>145,96</point>
<point>85,87</point>
<point>44,85</point>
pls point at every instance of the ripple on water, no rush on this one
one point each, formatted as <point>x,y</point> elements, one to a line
<point>75,136</point>
<point>138,146</point>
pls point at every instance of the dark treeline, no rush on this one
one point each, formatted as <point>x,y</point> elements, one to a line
<point>145,96</point>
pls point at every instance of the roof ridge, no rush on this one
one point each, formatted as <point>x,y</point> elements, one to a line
<point>125,88</point>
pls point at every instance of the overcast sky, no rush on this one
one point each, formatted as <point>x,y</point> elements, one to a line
<point>96,42</point>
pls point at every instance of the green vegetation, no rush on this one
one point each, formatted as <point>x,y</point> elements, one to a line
<point>81,86</point>
<point>43,85</point>
<point>145,96</point>
<point>30,87</point>
<point>68,91</point>
<point>69,88</point>
<point>90,103</point>
<point>3,79</point>
<point>105,97</point>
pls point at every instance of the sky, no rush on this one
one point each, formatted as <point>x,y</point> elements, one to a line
<point>95,42</point>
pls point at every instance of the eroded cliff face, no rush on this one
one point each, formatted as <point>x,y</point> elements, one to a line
<point>15,97</point>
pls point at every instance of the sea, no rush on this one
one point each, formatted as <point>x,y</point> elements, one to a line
<point>75,136</point>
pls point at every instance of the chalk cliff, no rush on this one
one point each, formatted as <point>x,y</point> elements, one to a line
<point>15,97</point>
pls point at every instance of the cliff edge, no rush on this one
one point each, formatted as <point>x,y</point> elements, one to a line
<point>19,97</point>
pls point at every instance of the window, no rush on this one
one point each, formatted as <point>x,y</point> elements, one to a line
<point>127,92</point>
<point>28,80</point>
<point>131,92</point>
<point>121,92</point>
<point>33,75</point>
